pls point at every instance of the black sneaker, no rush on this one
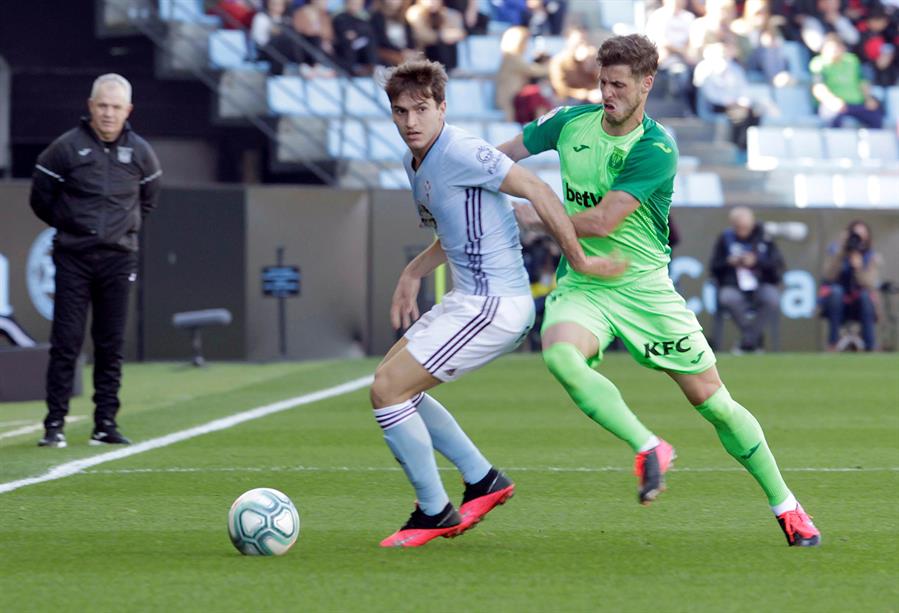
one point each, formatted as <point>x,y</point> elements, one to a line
<point>108,435</point>
<point>53,437</point>
<point>422,528</point>
<point>482,497</point>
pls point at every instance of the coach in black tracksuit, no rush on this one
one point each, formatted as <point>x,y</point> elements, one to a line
<point>94,184</point>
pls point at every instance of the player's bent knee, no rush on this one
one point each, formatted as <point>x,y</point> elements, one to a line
<point>718,408</point>
<point>381,389</point>
<point>562,359</point>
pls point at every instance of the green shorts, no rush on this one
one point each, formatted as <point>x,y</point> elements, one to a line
<point>648,315</point>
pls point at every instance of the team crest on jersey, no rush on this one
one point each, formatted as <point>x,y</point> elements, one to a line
<point>616,160</point>
<point>548,115</point>
<point>124,154</point>
<point>488,157</point>
<point>426,218</point>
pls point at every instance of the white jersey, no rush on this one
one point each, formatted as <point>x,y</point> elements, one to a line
<point>456,190</point>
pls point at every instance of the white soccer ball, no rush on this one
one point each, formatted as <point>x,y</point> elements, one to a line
<point>263,522</point>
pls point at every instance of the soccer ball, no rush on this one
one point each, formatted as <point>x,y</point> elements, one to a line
<point>263,522</point>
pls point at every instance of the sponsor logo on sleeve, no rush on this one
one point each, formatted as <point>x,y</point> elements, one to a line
<point>489,158</point>
<point>548,115</point>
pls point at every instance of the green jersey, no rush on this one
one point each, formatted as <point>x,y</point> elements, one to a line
<point>641,163</point>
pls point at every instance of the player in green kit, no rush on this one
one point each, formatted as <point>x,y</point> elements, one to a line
<point>618,168</point>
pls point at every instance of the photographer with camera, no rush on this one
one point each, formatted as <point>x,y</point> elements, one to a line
<point>851,278</point>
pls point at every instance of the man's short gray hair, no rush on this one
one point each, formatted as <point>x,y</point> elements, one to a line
<point>112,77</point>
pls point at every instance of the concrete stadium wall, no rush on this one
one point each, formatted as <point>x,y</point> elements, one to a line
<point>205,247</point>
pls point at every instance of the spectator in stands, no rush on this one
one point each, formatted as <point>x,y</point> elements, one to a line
<point>394,41</point>
<point>515,72</point>
<point>753,21</point>
<point>827,19</point>
<point>768,62</point>
<point>723,85</point>
<point>547,16</point>
<point>475,21</point>
<point>534,100</point>
<point>839,87</point>
<point>437,30</point>
<point>512,12</point>
<point>574,72</point>
<point>270,33</point>
<point>235,14</point>
<point>878,47</point>
<point>747,267</point>
<point>851,278</point>
<point>715,27</point>
<point>354,39</point>
<point>313,23</point>
<point>669,28</point>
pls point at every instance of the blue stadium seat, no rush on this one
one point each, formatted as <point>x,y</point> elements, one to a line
<point>704,189</point>
<point>393,178</point>
<point>499,132</point>
<point>286,95</point>
<point>228,49</point>
<point>553,178</point>
<point>891,99</point>
<point>384,142</point>
<point>324,96</point>
<point>347,139</point>
<point>364,98</point>
<point>798,58</point>
<point>878,147</point>
<point>480,55</point>
<point>842,145</point>
<point>806,146</point>
<point>470,98</point>
<point>679,197</point>
<point>887,192</point>
<point>549,45</point>
<point>795,105</point>
<point>185,10</point>
<point>766,147</point>
<point>475,128</point>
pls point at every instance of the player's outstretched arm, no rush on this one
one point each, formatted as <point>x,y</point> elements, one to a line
<point>404,306</point>
<point>525,184</point>
<point>515,148</point>
<point>603,219</point>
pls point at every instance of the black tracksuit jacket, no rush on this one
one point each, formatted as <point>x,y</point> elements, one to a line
<point>95,194</point>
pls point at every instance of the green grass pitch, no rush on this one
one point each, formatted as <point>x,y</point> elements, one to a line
<point>148,532</point>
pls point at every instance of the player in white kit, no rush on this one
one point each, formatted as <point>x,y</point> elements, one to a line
<point>456,182</point>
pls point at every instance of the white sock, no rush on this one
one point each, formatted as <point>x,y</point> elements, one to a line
<point>790,504</point>
<point>407,436</point>
<point>652,443</point>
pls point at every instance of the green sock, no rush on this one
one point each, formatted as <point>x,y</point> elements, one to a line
<point>742,436</point>
<point>595,395</point>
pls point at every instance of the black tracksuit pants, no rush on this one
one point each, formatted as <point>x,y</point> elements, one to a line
<point>100,279</point>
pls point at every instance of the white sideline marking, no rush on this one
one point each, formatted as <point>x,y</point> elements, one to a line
<point>544,469</point>
<point>16,422</point>
<point>76,466</point>
<point>34,427</point>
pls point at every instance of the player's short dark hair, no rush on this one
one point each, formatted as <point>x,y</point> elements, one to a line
<point>634,50</point>
<point>419,78</point>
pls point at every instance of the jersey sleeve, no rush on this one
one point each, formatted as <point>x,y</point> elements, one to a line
<point>475,163</point>
<point>543,133</point>
<point>650,164</point>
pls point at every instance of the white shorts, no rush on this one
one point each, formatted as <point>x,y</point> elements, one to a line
<point>464,332</point>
